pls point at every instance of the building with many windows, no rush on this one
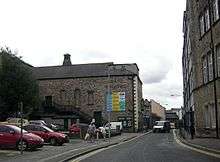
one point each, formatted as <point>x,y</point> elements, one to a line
<point>201,66</point>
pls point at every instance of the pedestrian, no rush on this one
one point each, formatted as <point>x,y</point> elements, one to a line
<point>91,131</point>
<point>192,131</point>
<point>103,131</point>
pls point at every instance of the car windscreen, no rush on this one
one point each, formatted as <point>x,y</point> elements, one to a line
<point>159,123</point>
<point>17,129</point>
<point>48,129</point>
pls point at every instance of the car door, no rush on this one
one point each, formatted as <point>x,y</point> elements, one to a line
<point>38,131</point>
<point>44,133</point>
<point>2,138</point>
<point>7,137</point>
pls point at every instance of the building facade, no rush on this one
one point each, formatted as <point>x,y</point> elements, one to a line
<point>157,110</point>
<point>201,66</point>
<point>69,92</point>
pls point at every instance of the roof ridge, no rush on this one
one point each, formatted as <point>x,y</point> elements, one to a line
<point>103,63</point>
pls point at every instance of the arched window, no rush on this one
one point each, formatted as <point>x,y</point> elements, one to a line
<point>77,97</point>
<point>90,97</point>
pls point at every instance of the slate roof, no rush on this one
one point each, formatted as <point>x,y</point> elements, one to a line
<point>84,70</point>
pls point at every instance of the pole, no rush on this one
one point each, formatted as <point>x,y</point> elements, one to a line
<point>109,113</point>
<point>213,65</point>
<point>21,111</point>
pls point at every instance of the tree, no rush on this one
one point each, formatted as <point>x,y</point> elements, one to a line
<point>17,84</point>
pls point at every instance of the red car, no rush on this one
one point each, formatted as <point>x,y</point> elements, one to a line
<point>74,129</point>
<point>49,136</point>
<point>10,137</point>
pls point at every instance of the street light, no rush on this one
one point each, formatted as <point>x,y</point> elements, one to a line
<point>109,111</point>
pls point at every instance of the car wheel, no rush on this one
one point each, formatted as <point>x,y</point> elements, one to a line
<point>60,144</point>
<point>25,145</point>
<point>53,141</point>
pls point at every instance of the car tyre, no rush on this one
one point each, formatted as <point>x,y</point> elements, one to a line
<point>53,141</point>
<point>25,145</point>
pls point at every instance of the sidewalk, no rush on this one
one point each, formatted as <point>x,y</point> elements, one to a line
<point>211,145</point>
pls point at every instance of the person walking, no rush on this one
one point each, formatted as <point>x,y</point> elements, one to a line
<point>91,131</point>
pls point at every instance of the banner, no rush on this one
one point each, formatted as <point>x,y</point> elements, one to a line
<point>115,102</point>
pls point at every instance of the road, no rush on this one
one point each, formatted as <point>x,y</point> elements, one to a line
<point>154,147</point>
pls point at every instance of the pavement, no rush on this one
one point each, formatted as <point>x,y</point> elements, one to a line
<point>205,145</point>
<point>67,152</point>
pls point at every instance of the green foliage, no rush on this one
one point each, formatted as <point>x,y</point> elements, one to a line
<point>17,84</point>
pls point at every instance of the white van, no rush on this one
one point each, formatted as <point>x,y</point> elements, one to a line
<point>115,127</point>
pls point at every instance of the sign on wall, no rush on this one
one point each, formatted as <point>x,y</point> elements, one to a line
<point>115,102</point>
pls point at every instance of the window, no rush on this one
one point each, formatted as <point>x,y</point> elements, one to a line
<point>216,10</point>
<point>77,97</point>
<point>207,116</point>
<point>212,110</point>
<point>4,129</point>
<point>48,101</point>
<point>62,95</point>
<point>202,27</point>
<point>90,97</point>
<point>218,59</point>
<point>207,20</point>
<point>205,70</point>
<point>210,66</point>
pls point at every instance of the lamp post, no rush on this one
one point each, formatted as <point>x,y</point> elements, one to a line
<point>108,106</point>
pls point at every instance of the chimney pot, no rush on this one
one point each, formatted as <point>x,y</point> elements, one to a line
<point>67,60</point>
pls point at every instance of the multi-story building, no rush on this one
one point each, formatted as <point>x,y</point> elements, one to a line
<point>178,112</point>
<point>201,66</point>
<point>69,92</point>
<point>158,112</point>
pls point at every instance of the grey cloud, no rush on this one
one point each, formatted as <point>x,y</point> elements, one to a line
<point>154,77</point>
<point>155,70</point>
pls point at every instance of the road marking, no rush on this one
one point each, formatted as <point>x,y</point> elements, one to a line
<point>102,149</point>
<point>195,149</point>
<point>55,156</point>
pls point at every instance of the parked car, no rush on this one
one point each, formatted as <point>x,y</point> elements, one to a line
<point>74,129</point>
<point>161,126</point>
<point>10,137</point>
<point>15,121</point>
<point>49,136</point>
<point>42,122</point>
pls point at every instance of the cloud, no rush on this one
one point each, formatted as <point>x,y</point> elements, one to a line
<point>155,68</point>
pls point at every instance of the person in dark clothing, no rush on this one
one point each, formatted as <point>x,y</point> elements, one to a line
<point>192,131</point>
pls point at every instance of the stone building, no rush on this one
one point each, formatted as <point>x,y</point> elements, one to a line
<point>153,111</point>
<point>158,111</point>
<point>201,66</point>
<point>69,92</point>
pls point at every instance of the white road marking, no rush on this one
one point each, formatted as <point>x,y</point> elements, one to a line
<point>100,150</point>
<point>195,149</point>
<point>55,156</point>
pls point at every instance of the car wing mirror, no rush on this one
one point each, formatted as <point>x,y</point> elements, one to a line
<point>12,132</point>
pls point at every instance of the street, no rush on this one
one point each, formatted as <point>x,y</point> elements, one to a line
<point>153,147</point>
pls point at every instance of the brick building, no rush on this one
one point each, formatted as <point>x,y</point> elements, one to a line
<point>69,92</point>
<point>201,66</point>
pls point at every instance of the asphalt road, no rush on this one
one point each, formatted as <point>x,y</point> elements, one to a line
<point>154,147</point>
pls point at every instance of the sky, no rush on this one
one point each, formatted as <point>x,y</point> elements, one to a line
<point>146,32</point>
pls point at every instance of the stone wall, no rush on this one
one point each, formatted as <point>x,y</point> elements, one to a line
<point>203,92</point>
<point>62,92</point>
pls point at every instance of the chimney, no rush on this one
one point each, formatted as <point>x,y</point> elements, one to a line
<point>67,61</point>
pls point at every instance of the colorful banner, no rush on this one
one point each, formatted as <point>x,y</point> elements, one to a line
<point>116,101</point>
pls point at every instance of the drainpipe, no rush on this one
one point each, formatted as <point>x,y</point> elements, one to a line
<point>213,65</point>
